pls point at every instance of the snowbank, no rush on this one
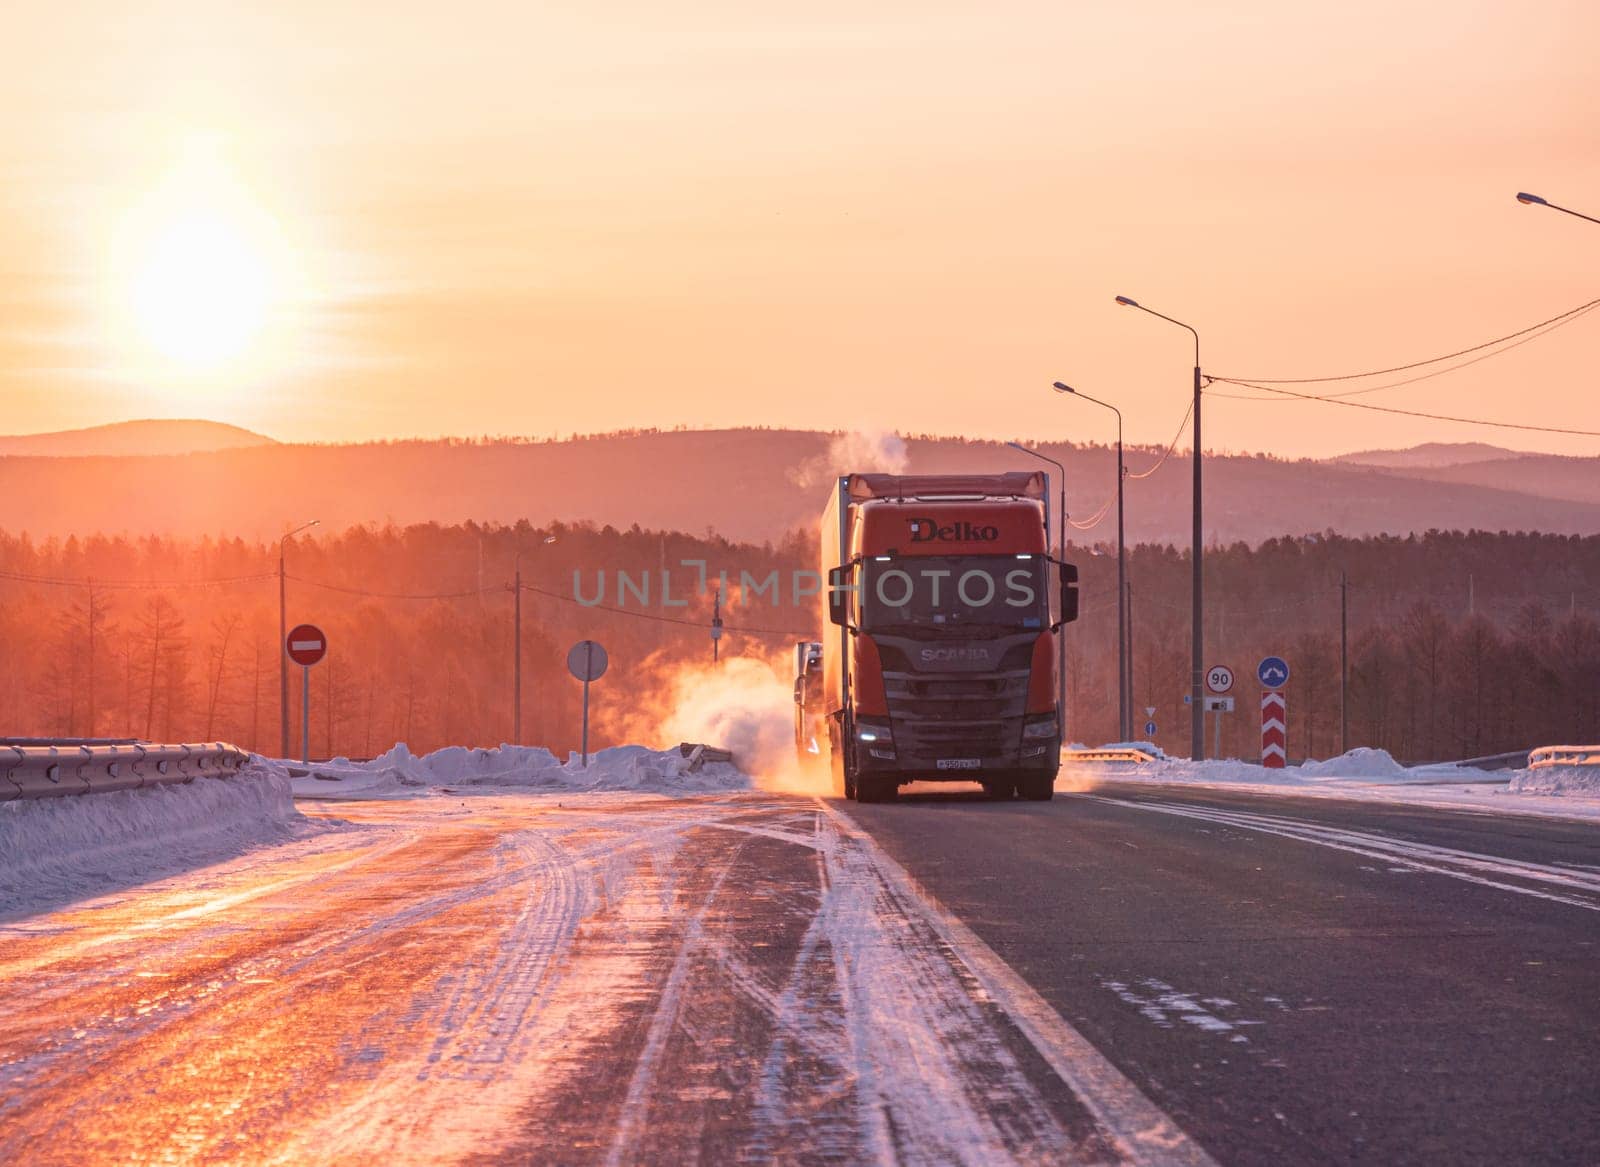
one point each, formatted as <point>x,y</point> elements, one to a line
<point>401,774</point>
<point>1561,781</point>
<point>1359,767</point>
<point>54,850</point>
<point>1360,762</point>
<point>1371,776</point>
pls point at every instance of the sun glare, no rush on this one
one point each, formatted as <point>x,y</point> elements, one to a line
<point>199,267</point>
<point>201,294</point>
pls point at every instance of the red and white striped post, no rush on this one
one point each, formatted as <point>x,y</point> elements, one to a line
<point>1274,729</point>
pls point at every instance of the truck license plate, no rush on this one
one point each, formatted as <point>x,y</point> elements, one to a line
<point>959,763</point>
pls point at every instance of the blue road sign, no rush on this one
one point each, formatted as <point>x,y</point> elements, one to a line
<point>1149,729</point>
<point>1273,672</point>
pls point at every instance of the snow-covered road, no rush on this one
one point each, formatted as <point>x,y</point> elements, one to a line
<point>605,978</point>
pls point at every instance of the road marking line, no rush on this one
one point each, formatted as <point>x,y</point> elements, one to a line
<point>1140,1129</point>
<point>1415,856</point>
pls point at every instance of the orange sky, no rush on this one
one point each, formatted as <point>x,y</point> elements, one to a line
<point>529,218</point>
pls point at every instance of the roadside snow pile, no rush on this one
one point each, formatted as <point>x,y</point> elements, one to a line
<point>1561,781</point>
<point>58,849</point>
<point>1360,766</point>
<point>1360,762</point>
<point>401,774</point>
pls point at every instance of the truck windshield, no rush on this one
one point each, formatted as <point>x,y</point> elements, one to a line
<point>958,591</point>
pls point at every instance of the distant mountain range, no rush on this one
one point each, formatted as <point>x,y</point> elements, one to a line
<point>1429,455</point>
<point>748,484</point>
<point>153,436</point>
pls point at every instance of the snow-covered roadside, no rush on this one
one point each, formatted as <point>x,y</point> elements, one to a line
<point>1372,776</point>
<point>1561,781</point>
<point>53,850</point>
<point>401,774</point>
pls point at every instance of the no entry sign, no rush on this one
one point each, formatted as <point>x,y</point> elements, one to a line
<point>306,644</point>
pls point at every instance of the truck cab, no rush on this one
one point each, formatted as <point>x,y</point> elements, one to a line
<point>943,664</point>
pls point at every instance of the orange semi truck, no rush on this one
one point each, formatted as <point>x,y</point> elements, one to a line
<point>941,664</point>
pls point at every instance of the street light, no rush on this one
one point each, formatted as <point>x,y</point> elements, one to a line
<point>1197,734</point>
<point>1061,540</point>
<point>283,641</point>
<point>1534,200</point>
<point>516,647</point>
<point>1124,678</point>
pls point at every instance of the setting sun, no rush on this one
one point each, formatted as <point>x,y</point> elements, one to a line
<point>200,267</point>
<point>201,293</point>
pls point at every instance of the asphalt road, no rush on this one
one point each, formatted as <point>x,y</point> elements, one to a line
<point>510,979</point>
<point>1297,980</point>
<point>1140,975</point>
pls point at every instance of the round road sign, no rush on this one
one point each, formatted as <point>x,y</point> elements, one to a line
<point>1219,678</point>
<point>1273,672</point>
<point>1149,729</point>
<point>306,644</point>
<point>587,660</point>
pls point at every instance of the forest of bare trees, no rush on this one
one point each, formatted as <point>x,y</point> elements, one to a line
<point>1460,644</point>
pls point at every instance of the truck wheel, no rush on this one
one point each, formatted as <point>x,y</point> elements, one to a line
<point>844,782</point>
<point>997,790</point>
<point>1038,788</point>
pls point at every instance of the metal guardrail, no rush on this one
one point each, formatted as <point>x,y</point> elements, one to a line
<point>1110,754</point>
<point>48,771</point>
<point>1563,756</point>
<point>1512,760</point>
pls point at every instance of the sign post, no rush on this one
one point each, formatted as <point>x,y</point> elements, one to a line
<point>1273,673</point>
<point>587,661</point>
<point>306,646</point>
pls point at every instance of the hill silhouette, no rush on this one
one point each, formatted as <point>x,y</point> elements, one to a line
<point>1429,455</point>
<point>750,484</point>
<point>146,436</point>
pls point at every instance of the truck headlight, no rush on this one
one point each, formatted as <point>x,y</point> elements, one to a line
<point>874,731</point>
<point>1039,729</point>
<point>878,738</point>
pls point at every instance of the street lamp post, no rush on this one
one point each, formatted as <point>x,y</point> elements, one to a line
<point>1534,200</point>
<point>1197,729</point>
<point>1124,711</point>
<point>516,647</point>
<point>1061,542</point>
<point>283,641</point>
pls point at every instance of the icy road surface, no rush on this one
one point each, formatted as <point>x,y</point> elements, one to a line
<point>595,979</point>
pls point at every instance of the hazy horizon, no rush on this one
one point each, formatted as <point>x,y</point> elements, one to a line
<point>1509,446</point>
<point>518,220</point>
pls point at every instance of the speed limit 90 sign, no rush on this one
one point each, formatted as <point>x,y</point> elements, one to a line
<point>1219,678</point>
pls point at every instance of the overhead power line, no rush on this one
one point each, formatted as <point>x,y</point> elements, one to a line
<point>1504,425</point>
<point>316,583</point>
<point>1549,325</point>
<point>1182,425</point>
<point>134,584</point>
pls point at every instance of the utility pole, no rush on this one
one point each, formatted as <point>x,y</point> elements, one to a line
<point>516,646</point>
<point>91,657</point>
<point>1127,594</point>
<point>1197,728</point>
<point>516,654</point>
<point>1197,724</point>
<point>283,657</point>
<point>1344,662</point>
<point>716,626</point>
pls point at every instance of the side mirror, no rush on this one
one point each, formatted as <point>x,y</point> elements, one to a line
<point>839,595</point>
<point>1069,593</point>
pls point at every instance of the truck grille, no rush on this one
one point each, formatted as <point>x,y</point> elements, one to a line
<point>951,715</point>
